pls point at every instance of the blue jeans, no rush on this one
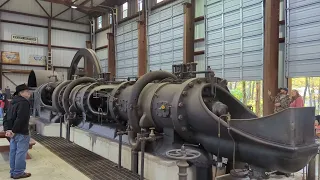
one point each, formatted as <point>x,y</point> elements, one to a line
<point>19,145</point>
<point>1,113</point>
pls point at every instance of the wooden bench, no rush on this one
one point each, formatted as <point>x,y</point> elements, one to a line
<point>5,144</point>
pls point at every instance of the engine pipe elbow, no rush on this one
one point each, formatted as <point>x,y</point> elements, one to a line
<point>134,140</point>
<point>133,116</point>
<point>67,91</point>
<point>55,96</point>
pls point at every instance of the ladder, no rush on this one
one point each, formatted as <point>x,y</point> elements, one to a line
<point>49,61</point>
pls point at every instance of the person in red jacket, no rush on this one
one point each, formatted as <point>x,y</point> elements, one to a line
<point>296,99</point>
<point>2,103</point>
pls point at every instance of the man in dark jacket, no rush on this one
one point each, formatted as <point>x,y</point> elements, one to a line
<point>16,125</point>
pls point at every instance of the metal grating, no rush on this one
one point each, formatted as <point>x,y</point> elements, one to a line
<point>90,164</point>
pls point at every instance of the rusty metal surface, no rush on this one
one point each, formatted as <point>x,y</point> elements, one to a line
<point>90,164</point>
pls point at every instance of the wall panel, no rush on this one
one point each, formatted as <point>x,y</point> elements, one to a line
<point>22,18</point>
<point>62,72</point>
<point>8,29</point>
<point>127,49</point>
<point>71,26</point>
<point>69,39</point>
<point>102,38</point>
<point>24,51</point>
<point>16,77</point>
<point>234,38</point>
<point>103,56</point>
<point>303,38</point>
<point>165,36</point>
<point>63,57</point>
<point>25,6</point>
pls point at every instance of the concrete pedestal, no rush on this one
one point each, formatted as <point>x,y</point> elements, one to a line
<point>155,168</point>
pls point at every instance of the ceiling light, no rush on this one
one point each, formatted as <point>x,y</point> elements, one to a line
<point>74,7</point>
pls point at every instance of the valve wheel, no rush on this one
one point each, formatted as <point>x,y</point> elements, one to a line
<point>186,154</point>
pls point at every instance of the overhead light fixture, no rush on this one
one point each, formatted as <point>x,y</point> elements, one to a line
<point>74,7</point>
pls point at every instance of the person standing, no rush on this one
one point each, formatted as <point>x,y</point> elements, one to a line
<point>296,99</point>
<point>2,104</point>
<point>281,100</point>
<point>16,125</point>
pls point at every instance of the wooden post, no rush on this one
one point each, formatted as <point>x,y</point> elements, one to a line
<point>142,42</point>
<point>111,55</point>
<point>289,84</point>
<point>258,94</point>
<point>188,34</point>
<point>271,52</point>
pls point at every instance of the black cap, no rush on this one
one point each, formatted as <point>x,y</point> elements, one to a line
<point>286,89</point>
<point>20,88</point>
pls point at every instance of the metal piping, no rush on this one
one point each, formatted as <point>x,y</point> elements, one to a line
<point>90,107</point>
<point>40,98</point>
<point>114,24</point>
<point>69,88</point>
<point>134,140</point>
<point>55,96</point>
<point>143,146</point>
<point>133,117</point>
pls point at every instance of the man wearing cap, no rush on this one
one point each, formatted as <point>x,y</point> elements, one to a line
<point>281,100</point>
<point>16,125</point>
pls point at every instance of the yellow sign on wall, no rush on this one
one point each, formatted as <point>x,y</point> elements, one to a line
<point>10,57</point>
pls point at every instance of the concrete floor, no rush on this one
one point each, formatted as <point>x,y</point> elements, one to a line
<point>43,165</point>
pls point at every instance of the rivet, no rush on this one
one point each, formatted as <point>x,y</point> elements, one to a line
<point>183,128</point>
<point>180,104</point>
<point>190,85</point>
<point>184,93</point>
<point>180,117</point>
<point>117,92</point>
<point>199,81</point>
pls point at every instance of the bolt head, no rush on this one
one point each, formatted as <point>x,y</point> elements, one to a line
<point>117,116</point>
<point>180,117</point>
<point>183,128</point>
<point>180,104</point>
<point>184,93</point>
<point>199,81</point>
<point>190,85</point>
